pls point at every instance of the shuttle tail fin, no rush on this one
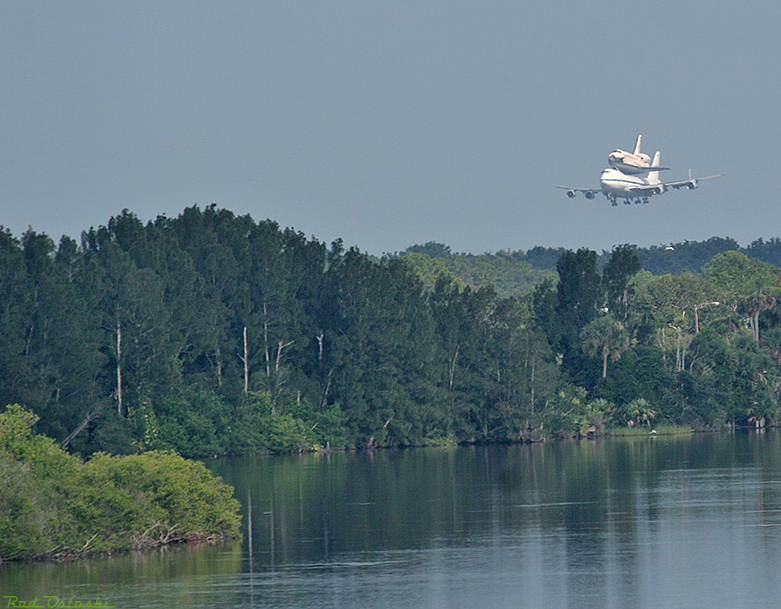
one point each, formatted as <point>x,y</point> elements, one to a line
<point>653,176</point>
<point>637,145</point>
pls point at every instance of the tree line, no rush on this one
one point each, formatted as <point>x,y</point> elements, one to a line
<point>517,272</point>
<point>211,333</point>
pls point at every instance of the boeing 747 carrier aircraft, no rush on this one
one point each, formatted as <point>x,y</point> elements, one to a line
<point>633,177</point>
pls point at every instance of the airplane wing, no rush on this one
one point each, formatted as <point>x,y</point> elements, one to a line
<point>691,182</point>
<point>648,190</point>
<point>656,189</point>
<point>588,192</point>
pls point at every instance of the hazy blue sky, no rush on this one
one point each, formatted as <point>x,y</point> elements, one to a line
<point>392,123</point>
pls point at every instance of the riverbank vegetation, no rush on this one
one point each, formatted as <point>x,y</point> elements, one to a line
<point>213,334</point>
<point>55,506</point>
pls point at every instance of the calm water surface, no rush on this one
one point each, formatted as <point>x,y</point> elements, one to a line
<point>643,522</point>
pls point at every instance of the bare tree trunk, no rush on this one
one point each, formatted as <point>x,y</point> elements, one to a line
<point>119,368</point>
<point>324,403</point>
<point>678,361</point>
<point>678,352</point>
<point>453,366</point>
<point>531,383</point>
<point>245,359</point>
<point>265,340</point>
<point>281,346</point>
<point>218,365</point>
<point>755,325</point>
<point>278,381</point>
<point>91,416</point>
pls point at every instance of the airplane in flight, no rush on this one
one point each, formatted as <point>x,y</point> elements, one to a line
<point>638,184</point>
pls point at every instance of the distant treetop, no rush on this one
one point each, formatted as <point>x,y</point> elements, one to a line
<point>431,249</point>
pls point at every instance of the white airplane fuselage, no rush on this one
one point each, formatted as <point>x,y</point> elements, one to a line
<point>618,184</point>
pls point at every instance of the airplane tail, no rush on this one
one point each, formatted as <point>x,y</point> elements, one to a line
<point>653,176</point>
<point>637,145</point>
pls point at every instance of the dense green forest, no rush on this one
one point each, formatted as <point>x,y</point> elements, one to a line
<point>515,273</point>
<point>509,273</point>
<point>211,333</point>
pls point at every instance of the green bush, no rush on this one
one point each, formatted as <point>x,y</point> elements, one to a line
<point>20,529</point>
<point>327,427</point>
<point>167,497</point>
<point>53,505</point>
<point>285,433</point>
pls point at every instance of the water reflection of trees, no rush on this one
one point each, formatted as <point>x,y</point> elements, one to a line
<point>115,580</point>
<point>598,499</point>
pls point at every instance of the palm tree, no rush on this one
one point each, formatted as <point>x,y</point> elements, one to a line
<point>605,337</point>
<point>640,410</point>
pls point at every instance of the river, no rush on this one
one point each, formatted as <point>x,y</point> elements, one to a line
<point>645,522</point>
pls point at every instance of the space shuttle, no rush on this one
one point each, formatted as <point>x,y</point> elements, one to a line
<point>632,163</point>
